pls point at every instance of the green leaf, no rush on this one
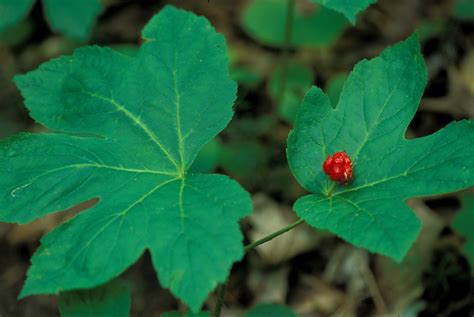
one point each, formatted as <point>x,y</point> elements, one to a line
<point>463,223</point>
<point>270,310</point>
<point>132,128</point>
<point>299,79</point>
<point>377,103</point>
<point>112,299</point>
<point>73,18</point>
<point>349,8</point>
<point>13,11</point>
<point>264,20</point>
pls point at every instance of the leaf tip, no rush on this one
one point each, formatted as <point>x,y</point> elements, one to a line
<point>156,23</point>
<point>19,80</point>
<point>25,292</point>
<point>352,19</point>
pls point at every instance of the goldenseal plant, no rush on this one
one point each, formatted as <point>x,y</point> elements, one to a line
<point>369,123</point>
<point>126,130</point>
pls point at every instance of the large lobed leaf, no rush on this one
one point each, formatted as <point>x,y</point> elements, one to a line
<point>350,8</point>
<point>133,126</point>
<point>377,103</point>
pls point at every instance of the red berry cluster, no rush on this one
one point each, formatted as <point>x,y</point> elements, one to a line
<point>338,167</point>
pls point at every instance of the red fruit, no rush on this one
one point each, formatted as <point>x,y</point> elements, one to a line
<point>338,167</point>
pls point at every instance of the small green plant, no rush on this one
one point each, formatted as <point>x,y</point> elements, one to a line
<point>73,18</point>
<point>296,24</point>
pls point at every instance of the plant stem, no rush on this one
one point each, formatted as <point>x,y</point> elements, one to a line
<point>223,287</point>
<point>271,236</point>
<point>286,47</point>
<point>220,299</point>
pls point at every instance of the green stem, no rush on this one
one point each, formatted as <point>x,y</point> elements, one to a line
<point>286,47</point>
<point>223,287</point>
<point>272,236</point>
<point>220,299</point>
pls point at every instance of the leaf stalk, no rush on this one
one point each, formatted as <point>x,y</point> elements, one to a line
<point>272,236</point>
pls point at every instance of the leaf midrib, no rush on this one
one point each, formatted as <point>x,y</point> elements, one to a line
<point>409,170</point>
<point>367,138</point>
<point>85,165</point>
<point>138,123</point>
<point>377,122</point>
<point>182,167</point>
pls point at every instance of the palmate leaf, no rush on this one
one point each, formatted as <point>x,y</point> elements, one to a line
<point>134,126</point>
<point>350,8</point>
<point>377,103</point>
